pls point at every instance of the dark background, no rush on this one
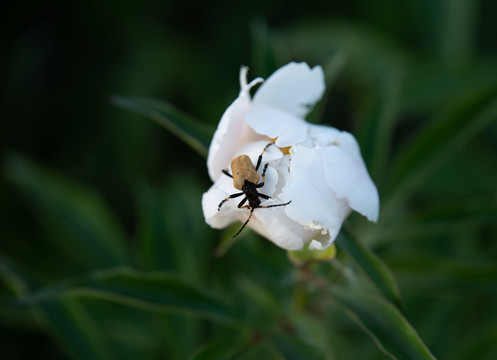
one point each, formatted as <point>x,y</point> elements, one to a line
<point>62,61</point>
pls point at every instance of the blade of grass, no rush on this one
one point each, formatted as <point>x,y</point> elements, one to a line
<point>194,133</point>
<point>331,69</point>
<point>295,348</point>
<point>378,121</point>
<point>437,142</point>
<point>439,276</point>
<point>389,329</point>
<point>77,220</point>
<point>67,321</point>
<point>458,27</point>
<point>149,290</point>
<point>74,329</point>
<point>221,349</point>
<point>372,266</point>
<point>266,52</point>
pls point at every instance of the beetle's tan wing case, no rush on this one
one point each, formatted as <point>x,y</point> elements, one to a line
<point>243,169</point>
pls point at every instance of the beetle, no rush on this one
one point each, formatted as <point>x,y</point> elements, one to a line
<point>246,179</point>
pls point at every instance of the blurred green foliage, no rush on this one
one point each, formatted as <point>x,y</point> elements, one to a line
<point>104,253</point>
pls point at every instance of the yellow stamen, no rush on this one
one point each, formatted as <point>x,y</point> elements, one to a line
<point>284,150</point>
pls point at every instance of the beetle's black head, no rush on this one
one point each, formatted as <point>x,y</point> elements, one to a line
<point>249,187</point>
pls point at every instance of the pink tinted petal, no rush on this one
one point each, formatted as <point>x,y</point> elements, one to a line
<point>294,88</point>
<point>244,86</point>
<point>287,128</point>
<point>349,179</point>
<point>232,131</point>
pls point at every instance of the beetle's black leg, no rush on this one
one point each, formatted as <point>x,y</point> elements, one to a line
<point>259,185</point>
<point>242,202</point>
<point>264,171</point>
<point>225,172</point>
<point>264,196</point>
<point>270,206</point>
<point>260,156</point>
<point>229,197</point>
<point>246,222</point>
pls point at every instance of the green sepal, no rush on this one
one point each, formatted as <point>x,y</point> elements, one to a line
<point>307,256</point>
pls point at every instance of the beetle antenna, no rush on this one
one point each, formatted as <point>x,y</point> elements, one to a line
<point>246,222</point>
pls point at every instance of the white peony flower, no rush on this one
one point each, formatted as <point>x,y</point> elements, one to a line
<point>318,169</point>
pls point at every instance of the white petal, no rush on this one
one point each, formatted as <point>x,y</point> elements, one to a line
<point>349,179</point>
<point>232,131</point>
<point>280,229</point>
<point>244,86</point>
<point>294,88</point>
<point>322,241</point>
<point>287,128</point>
<point>210,202</point>
<point>314,204</point>
<point>348,142</point>
<point>323,135</point>
<point>315,245</point>
<point>254,149</point>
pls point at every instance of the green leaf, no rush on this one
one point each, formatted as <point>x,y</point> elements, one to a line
<point>150,290</point>
<point>77,219</point>
<point>434,85</point>
<point>266,52</point>
<point>67,320</point>
<point>9,275</point>
<point>372,266</point>
<point>436,276</point>
<point>458,19</point>
<point>226,240</point>
<point>160,227</point>
<point>377,120</point>
<point>331,70</point>
<point>438,141</point>
<point>390,330</point>
<point>194,133</point>
<point>444,218</point>
<point>260,350</point>
<point>237,349</point>
<point>295,348</point>
<point>154,239</point>
<point>223,349</point>
<point>369,53</point>
<point>479,345</point>
<point>73,328</point>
